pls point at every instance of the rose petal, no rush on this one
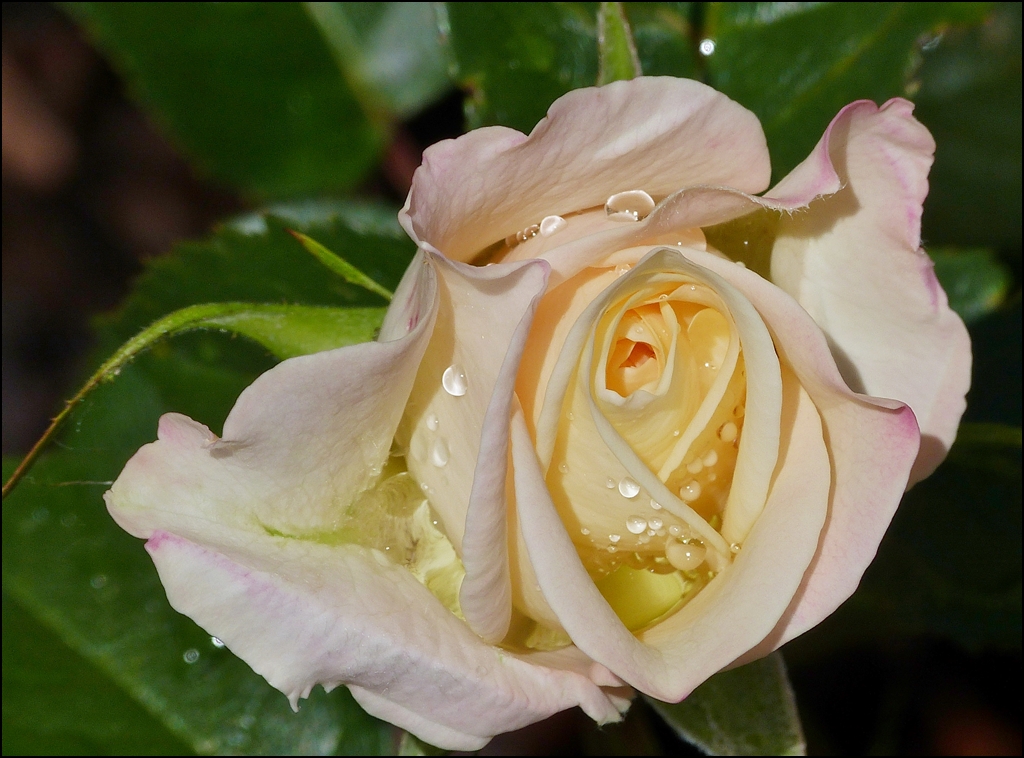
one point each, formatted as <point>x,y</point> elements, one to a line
<point>656,134</point>
<point>304,613</point>
<point>759,442</point>
<point>732,614</point>
<point>854,262</point>
<point>873,443</point>
<point>459,442</point>
<point>301,443</point>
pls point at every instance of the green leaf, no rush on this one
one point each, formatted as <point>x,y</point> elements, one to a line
<point>617,54</point>
<point>391,52</point>
<point>256,259</point>
<point>42,715</point>
<point>746,711</point>
<point>797,64</point>
<point>251,90</point>
<point>515,59</point>
<point>74,570</point>
<point>285,330</point>
<point>970,99</point>
<point>950,564</point>
<point>975,281</point>
<point>341,267</point>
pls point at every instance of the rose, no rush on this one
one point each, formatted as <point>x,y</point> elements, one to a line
<point>643,461</point>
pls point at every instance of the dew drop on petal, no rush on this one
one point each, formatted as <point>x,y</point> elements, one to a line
<point>675,530</point>
<point>584,531</point>
<point>643,539</point>
<point>695,466</point>
<point>439,453</point>
<point>551,224</point>
<point>632,205</point>
<point>217,642</point>
<point>690,491</point>
<point>433,422</point>
<point>454,381</point>
<point>727,432</point>
<point>655,505</point>
<point>685,557</point>
<point>613,538</point>
<point>706,47</point>
<point>735,547</point>
<point>655,523</point>
<point>628,487</point>
<point>636,524</point>
<point>710,459</point>
<point>190,656</point>
<point>563,467</point>
<point>609,483</point>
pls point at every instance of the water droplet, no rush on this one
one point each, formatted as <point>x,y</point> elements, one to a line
<point>738,411</point>
<point>661,532</point>
<point>551,224</point>
<point>675,530</point>
<point>433,422</point>
<point>454,381</point>
<point>706,47</point>
<point>695,466</point>
<point>727,432</point>
<point>570,415</point>
<point>662,297</point>
<point>636,524</point>
<point>528,233</point>
<point>424,486</point>
<point>628,487</point>
<point>675,433</point>
<point>217,642</point>
<point>741,264</point>
<point>622,268</point>
<point>612,548</point>
<point>584,531</point>
<point>439,453</point>
<point>711,458</point>
<point>685,557</point>
<point>632,205</point>
<point>609,483</point>
<point>190,656</point>
<point>98,582</point>
<point>563,467</point>
<point>712,476</point>
<point>613,538</point>
<point>651,532</point>
<point>655,523</point>
<point>655,505</point>
<point>643,539</point>
<point>735,547</point>
<point>690,491</point>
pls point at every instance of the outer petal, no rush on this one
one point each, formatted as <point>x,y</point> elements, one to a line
<point>305,613</point>
<point>853,261</point>
<point>300,444</point>
<point>656,134</point>
<point>459,443</point>
<point>872,445</point>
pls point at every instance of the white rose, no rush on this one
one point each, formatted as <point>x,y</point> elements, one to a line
<point>615,457</point>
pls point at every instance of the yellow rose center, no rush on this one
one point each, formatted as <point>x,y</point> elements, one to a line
<point>668,376</point>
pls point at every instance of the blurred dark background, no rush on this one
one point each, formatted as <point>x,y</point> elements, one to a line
<point>91,190</point>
